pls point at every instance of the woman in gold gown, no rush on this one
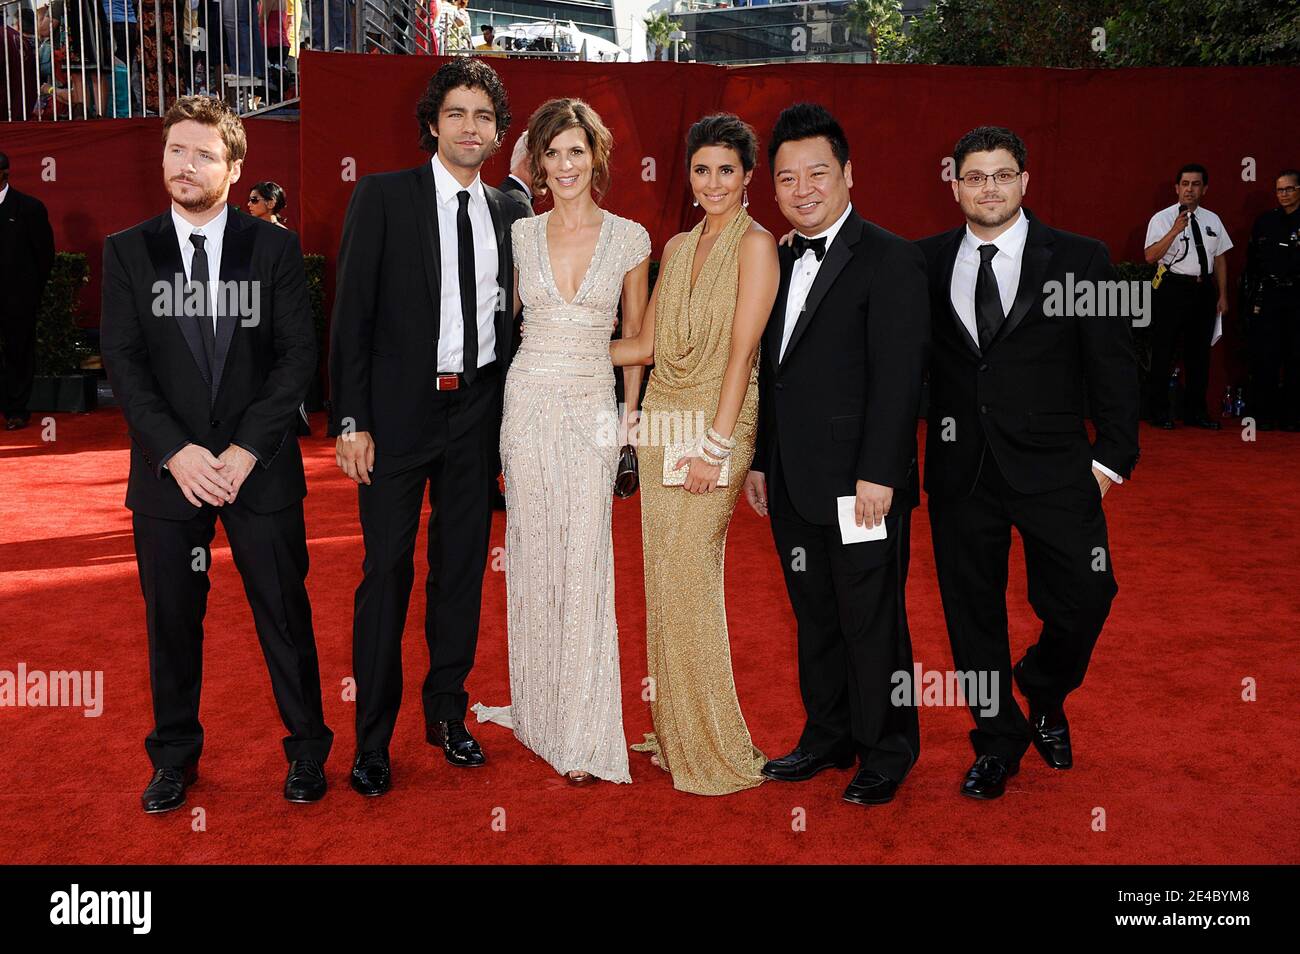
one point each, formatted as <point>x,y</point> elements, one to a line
<point>701,331</point>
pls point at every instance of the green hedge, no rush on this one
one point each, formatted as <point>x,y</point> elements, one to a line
<point>60,344</point>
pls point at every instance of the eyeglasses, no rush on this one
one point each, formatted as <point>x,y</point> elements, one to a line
<point>1002,177</point>
<point>1287,190</point>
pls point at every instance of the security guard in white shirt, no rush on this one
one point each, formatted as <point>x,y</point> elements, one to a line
<point>1191,286</point>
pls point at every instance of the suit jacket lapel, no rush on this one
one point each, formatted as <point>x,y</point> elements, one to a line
<point>1037,253</point>
<point>236,266</point>
<point>838,254</point>
<point>504,316</point>
<point>424,199</point>
<point>165,254</point>
<point>944,290</point>
<point>776,323</point>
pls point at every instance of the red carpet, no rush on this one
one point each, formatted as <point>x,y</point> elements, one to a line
<point>1206,542</point>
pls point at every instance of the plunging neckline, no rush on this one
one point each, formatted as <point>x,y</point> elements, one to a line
<point>591,265</point>
<point>691,282</point>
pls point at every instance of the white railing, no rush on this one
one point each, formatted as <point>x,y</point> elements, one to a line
<point>83,59</point>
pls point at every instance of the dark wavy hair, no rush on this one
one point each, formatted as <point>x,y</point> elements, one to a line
<point>726,130</point>
<point>1193,167</point>
<point>807,121</point>
<point>986,139</point>
<point>462,71</point>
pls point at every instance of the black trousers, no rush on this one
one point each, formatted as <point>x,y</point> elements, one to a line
<point>454,463</point>
<point>1071,586</point>
<point>849,606</point>
<point>270,552</point>
<point>18,344</point>
<point>1181,311</point>
<point>1273,343</point>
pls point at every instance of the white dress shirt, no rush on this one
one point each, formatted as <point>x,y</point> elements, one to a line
<point>451,336</point>
<point>4,192</point>
<point>1181,256</point>
<point>805,272</point>
<point>1006,268</point>
<point>215,233</point>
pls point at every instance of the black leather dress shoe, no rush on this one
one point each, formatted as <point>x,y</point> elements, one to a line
<point>17,422</point>
<point>371,773</point>
<point>1162,422</point>
<point>1204,422</point>
<point>987,778</point>
<point>1050,731</point>
<point>869,787</point>
<point>166,790</point>
<point>1051,736</point>
<point>305,781</point>
<point>799,766</point>
<point>456,743</point>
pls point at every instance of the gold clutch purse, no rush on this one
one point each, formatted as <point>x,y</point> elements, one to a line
<point>676,478</point>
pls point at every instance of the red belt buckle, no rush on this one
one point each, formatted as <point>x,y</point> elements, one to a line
<point>447,382</point>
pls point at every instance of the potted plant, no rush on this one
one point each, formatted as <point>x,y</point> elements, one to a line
<point>60,384</point>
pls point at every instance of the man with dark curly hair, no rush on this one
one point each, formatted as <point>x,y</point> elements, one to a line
<point>422,334</point>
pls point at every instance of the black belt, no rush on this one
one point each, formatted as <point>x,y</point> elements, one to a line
<point>1188,279</point>
<point>454,380</point>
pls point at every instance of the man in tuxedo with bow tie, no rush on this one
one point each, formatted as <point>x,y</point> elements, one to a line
<point>423,332</point>
<point>1011,380</point>
<point>210,347</point>
<point>840,378</point>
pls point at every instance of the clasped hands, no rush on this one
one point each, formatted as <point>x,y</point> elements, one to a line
<point>207,479</point>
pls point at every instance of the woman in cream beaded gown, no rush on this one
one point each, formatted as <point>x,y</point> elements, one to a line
<point>702,331</point>
<point>559,453</point>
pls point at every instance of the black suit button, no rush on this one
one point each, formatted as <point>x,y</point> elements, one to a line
<point>214,423</point>
<point>984,408</point>
<point>984,367</point>
<point>779,386</point>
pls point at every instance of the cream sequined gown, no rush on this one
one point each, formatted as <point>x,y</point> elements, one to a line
<point>699,729</point>
<point>559,452</point>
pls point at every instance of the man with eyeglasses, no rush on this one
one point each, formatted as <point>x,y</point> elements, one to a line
<point>1190,242</point>
<point>1272,305</point>
<point>1006,446</point>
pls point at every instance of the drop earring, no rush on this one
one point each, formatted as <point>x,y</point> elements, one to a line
<point>744,200</point>
<point>695,203</point>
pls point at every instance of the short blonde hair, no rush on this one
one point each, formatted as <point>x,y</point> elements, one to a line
<point>554,117</point>
<point>210,111</point>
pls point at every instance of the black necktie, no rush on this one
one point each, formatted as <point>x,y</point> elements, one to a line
<point>199,275</point>
<point>468,285</point>
<point>1200,246</point>
<point>801,245</point>
<point>988,300</point>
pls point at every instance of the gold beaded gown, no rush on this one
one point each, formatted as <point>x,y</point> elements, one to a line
<point>559,453</point>
<point>699,731</point>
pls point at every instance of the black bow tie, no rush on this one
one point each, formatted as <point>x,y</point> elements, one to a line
<point>801,245</point>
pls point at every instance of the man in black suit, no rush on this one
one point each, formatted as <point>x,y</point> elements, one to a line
<point>26,257</point>
<point>840,381</point>
<point>422,334</point>
<point>1014,369</point>
<point>520,180</point>
<point>209,346</point>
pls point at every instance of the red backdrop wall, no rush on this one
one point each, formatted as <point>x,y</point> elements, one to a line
<point>1103,144</point>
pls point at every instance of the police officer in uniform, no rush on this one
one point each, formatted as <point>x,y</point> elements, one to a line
<point>1272,306</point>
<point>1189,241</point>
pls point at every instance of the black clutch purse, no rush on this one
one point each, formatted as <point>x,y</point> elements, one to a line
<point>626,480</point>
